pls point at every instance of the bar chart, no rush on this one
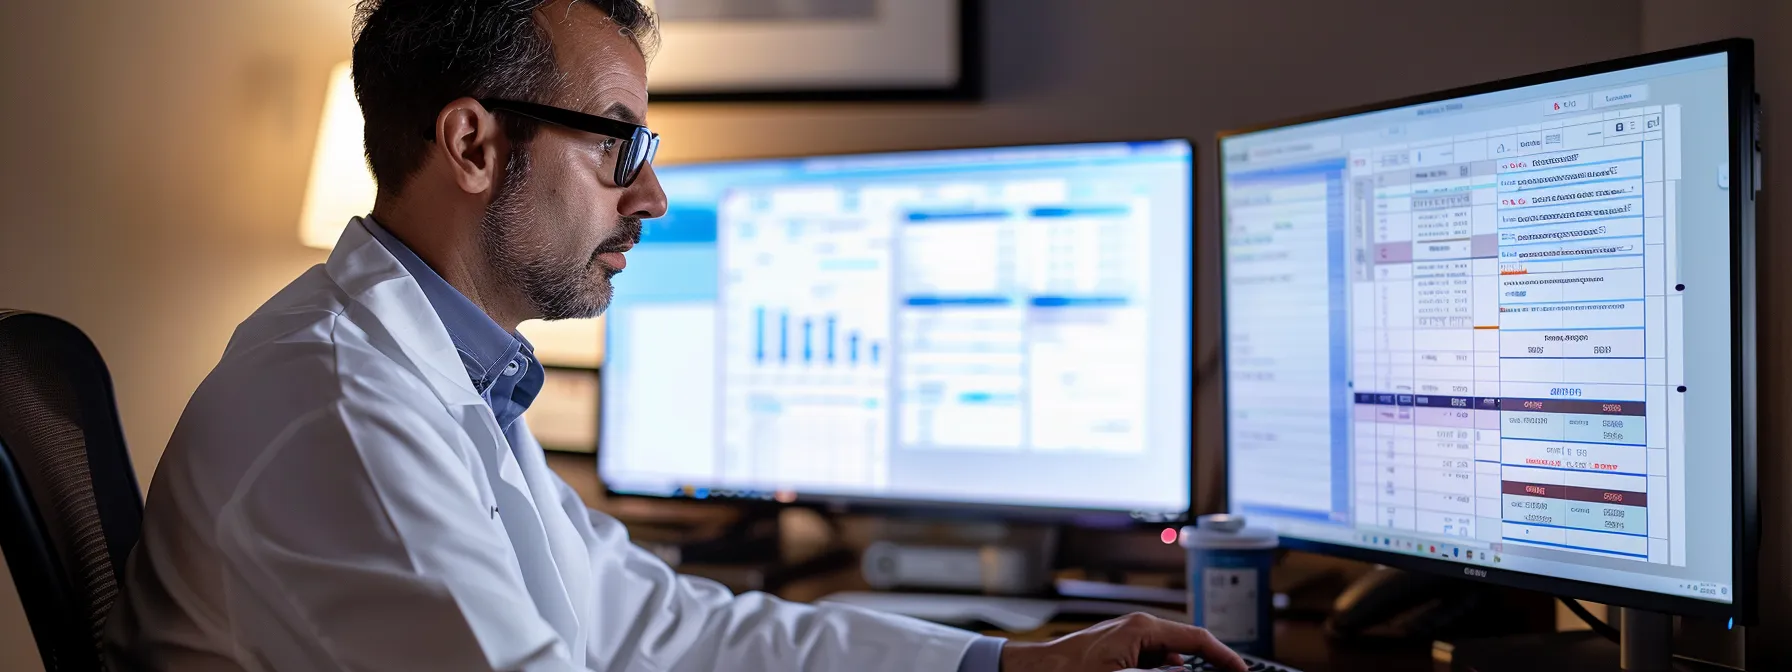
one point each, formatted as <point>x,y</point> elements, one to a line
<point>805,281</point>
<point>829,344</point>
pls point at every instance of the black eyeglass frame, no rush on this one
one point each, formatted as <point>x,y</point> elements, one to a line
<point>639,145</point>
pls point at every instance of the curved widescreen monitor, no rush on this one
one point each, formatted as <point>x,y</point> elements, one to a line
<point>980,328</point>
<point>1506,332</point>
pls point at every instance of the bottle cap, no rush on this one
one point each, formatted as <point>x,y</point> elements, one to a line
<point>1227,531</point>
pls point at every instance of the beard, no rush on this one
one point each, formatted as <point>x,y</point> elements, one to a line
<point>525,258</point>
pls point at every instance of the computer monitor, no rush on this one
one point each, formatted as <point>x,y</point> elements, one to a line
<point>1005,329</point>
<point>1506,332</point>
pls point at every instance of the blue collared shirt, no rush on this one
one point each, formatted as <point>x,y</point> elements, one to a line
<point>505,372</point>
<point>501,365</point>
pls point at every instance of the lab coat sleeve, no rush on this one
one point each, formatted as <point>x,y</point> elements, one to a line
<point>359,541</point>
<point>653,619</point>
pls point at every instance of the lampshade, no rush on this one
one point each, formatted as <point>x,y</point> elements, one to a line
<point>340,186</point>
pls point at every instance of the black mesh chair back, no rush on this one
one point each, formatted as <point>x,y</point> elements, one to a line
<point>70,509</point>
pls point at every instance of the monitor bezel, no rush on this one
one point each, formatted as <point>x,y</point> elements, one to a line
<point>980,511</point>
<point>1745,515</point>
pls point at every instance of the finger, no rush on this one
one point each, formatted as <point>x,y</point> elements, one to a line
<point>1170,636</point>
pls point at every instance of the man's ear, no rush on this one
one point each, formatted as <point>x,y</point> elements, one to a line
<point>473,145</point>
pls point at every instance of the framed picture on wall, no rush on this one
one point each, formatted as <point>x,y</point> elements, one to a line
<point>814,50</point>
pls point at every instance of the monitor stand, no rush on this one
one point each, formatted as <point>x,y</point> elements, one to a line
<point>983,576</point>
<point>1646,645</point>
<point>1010,559</point>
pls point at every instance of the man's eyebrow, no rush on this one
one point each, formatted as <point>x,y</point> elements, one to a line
<point>621,112</point>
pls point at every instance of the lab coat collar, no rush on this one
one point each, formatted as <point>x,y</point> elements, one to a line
<point>375,281</point>
<point>392,308</point>
<point>484,346</point>
<point>501,364</point>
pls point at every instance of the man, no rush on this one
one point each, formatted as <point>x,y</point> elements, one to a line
<point>352,487</point>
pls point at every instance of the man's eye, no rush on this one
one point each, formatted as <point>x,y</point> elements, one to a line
<point>609,144</point>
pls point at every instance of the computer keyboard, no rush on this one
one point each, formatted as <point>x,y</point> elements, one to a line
<point>1197,664</point>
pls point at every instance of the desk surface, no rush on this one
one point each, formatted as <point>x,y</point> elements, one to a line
<point>1301,644</point>
<point>1298,643</point>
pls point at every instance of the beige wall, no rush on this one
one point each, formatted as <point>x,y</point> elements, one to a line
<point>154,151</point>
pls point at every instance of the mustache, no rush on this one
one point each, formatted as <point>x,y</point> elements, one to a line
<point>628,235</point>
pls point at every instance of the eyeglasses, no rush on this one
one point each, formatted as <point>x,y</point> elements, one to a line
<point>638,144</point>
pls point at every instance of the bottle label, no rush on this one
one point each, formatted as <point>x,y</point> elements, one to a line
<point>1229,603</point>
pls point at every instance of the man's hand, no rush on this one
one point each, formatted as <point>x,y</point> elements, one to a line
<point>1134,640</point>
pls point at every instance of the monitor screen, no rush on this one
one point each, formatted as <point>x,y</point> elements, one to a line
<point>1494,329</point>
<point>1004,327</point>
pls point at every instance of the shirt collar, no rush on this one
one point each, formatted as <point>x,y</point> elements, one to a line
<point>486,349</point>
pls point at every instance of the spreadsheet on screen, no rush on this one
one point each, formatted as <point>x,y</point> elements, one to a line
<point>1494,329</point>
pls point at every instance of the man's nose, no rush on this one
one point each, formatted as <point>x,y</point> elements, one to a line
<point>645,198</point>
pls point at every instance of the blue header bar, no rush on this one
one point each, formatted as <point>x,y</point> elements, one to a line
<point>1297,170</point>
<point>958,301</point>
<point>957,215</point>
<point>681,225</point>
<point>1084,211</point>
<point>1077,301</point>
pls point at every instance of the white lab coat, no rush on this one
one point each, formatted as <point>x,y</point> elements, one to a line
<point>338,497</point>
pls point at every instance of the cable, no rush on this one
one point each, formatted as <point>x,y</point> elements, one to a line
<point>1592,621</point>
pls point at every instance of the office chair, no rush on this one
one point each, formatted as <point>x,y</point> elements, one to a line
<point>70,509</point>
